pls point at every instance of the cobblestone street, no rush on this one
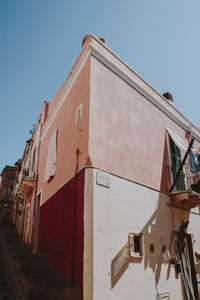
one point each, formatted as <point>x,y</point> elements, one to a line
<point>24,275</point>
<point>9,286</point>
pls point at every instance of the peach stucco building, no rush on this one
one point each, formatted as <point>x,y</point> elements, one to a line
<point>109,147</point>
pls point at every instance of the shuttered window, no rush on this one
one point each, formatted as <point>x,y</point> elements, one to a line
<point>176,160</point>
<point>50,168</point>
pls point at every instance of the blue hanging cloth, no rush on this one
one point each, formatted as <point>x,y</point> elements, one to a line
<point>194,162</point>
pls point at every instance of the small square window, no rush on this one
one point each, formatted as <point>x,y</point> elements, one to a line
<point>79,113</point>
<point>151,248</point>
<point>135,241</point>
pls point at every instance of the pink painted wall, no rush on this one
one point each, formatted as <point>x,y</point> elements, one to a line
<point>117,131</point>
<point>127,135</point>
<point>70,135</point>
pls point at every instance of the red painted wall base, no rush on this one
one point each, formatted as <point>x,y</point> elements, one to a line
<point>61,230</point>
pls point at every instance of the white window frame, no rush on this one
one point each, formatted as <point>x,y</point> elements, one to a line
<point>131,249</point>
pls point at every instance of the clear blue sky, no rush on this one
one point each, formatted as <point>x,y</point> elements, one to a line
<point>41,39</point>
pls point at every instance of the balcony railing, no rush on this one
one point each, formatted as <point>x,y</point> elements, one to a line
<point>190,196</point>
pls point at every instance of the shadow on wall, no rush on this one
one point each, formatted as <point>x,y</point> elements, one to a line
<point>165,182</point>
<point>157,235</point>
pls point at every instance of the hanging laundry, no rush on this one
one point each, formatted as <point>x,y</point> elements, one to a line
<point>194,162</point>
<point>198,158</point>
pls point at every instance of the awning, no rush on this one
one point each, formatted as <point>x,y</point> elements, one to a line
<point>179,141</point>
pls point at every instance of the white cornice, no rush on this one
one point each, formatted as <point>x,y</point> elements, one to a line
<point>166,108</point>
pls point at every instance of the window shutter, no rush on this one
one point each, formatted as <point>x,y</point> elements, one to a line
<point>176,160</point>
<point>50,169</point>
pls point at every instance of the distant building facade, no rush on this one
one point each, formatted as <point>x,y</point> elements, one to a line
<point>6,187</point>
<point>25,190</point>
<point>103,195</point>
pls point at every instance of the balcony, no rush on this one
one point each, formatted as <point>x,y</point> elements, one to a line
<point>189,197</point>
<point>185,199</point>
<point>26,186</point>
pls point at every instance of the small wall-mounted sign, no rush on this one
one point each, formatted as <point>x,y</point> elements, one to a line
<point>163,296</point>
<point>103,179</point>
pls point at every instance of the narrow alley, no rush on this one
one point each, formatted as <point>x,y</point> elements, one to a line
<point>24,275</point>
<point>9,285</point>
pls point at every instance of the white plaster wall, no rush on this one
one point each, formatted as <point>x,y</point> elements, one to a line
<point>128,207</point>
